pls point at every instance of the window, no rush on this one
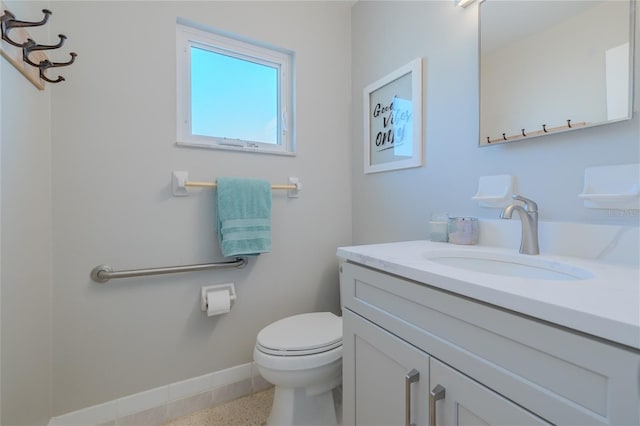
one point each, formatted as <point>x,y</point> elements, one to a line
<point>233,93</point>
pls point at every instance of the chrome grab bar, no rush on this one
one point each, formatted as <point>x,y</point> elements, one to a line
<point>104,273</point>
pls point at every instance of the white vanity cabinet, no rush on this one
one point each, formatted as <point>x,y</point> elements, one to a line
<point>391,380</point>
<point>495,366</point>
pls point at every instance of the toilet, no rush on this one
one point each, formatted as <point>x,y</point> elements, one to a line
<point>302,356</point>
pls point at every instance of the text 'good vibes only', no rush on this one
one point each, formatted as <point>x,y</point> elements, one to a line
<point>394,122</point>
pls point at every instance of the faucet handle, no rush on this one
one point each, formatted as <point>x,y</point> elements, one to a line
<point>530,205</point>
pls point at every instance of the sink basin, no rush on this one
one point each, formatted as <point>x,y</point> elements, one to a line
<point>514,265</point>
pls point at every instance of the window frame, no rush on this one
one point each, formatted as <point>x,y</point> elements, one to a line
<point>188,35</point>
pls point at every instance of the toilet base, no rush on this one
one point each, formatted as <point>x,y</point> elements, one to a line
<point>292,406</point>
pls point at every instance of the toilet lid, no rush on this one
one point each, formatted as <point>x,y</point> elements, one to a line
<point>302,334</point>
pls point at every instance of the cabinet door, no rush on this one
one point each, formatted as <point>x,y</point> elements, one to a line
<point>385,379</point>
<point>466,402</point>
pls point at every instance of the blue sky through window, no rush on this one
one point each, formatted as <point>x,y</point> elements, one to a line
<point>233,98</point>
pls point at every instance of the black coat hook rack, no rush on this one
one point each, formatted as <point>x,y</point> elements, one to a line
<point>32,53</point>
<point>528,134</point>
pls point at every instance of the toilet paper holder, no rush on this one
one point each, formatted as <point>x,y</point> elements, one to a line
<point>230,287</point>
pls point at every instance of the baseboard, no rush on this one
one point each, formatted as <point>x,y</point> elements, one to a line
<point>166,403</point>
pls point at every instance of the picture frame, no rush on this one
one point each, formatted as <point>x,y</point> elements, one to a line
<point>393,120</point>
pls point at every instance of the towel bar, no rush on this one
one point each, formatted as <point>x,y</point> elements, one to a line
<point>194,184</point>
<point>180,182</point>
<point>103,273</point>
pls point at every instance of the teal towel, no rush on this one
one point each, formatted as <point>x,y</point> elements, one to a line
<point>243,208</point>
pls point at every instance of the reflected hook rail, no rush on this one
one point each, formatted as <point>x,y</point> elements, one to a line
<point>104,273</point>
<point>545,130</point>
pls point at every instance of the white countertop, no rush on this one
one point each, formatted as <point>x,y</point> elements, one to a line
<point>607,305</point>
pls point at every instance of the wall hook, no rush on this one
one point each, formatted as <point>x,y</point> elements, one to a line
<point>46,64</point>
<point>8,21</point>
<point>31,46</point>
<point>544,128</point>
<point>569,123</point>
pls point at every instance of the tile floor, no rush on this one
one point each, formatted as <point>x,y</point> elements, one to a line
<point>250,410</point>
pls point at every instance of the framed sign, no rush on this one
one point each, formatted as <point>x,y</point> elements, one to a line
<point>393,120</point>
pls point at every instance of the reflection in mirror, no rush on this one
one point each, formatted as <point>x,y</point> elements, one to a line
<point>549,66</point>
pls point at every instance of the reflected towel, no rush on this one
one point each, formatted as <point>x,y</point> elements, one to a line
<point>243,211</point>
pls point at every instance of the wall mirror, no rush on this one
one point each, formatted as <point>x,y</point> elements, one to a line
<point>553,66</point>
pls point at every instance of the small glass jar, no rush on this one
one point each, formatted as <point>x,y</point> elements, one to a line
<point>464,230</point>
<point>438,227</point>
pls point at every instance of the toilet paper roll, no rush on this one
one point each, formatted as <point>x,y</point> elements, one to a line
<point>218,302</point>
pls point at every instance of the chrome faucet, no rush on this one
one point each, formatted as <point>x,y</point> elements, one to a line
<point>529,218</point>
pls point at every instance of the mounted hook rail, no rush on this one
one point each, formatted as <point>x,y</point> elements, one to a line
<point>24,50</point>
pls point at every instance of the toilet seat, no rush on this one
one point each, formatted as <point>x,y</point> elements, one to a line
<point>297,363</point>
<point>299,335</point>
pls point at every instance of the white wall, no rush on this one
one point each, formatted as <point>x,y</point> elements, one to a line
<point>113,137</point>
<point>396,205</point>
<point>26,241</point>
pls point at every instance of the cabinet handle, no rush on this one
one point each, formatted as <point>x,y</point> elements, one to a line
<point>436,394</point>
<point>411,377</point>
